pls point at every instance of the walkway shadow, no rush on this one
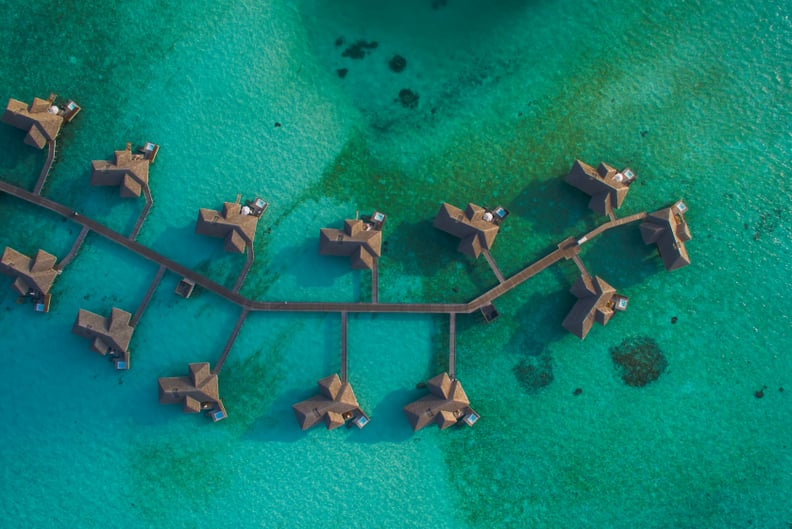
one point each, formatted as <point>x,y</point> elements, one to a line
<point>621,258</point>
<point>388,421</point>
<point>311,269</point>
<point>553,207</point>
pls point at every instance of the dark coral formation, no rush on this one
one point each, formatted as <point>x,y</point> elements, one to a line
<point>342,72</point>
<point>359,49</point>
<point>534,372</point>
<point>397,63</point>
<point>639,360</point>
<point>408,98</point>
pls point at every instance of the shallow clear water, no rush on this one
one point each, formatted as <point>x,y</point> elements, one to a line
<point>695,97</point>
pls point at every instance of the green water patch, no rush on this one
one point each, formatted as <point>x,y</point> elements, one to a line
<point>638,360</point>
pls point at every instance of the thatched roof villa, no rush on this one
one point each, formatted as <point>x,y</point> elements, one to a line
<point>198,391</point>
<point>34,275</point>
<point>41,118</point>
<point>476,227</point>
<point>236,224</point>
<point>360,241</point>
<point>668,229</point>
<point>597,301</point>
<point>128,170</point>
<point>336,405</point>
<point>606,186</point>
<point>446,405</point>
<point>109,336</point>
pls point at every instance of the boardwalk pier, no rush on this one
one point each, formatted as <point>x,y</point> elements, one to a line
<point>147,297</point>
<point>230,342</point>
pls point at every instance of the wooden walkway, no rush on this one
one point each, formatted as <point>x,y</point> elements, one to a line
<point>452,345</point>
<point>245,269</point>
<point>147,297</point>
<point>47,166</point>
<point>74,249</point>
<point>493,265</point>
<point>343,346</point>
<point>230,342</point>
<point>143,214</point>
<point>580,265</point>
<point>375,281</point>
<point>287,306</point>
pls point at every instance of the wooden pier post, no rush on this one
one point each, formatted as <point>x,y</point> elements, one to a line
<point>147,297</point>
<point>452,345</point>
<point>230,342</point>
<point>343,346</point>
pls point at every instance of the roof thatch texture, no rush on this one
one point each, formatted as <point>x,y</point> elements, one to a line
<point>37,274</point>
<point>335,404</point>
<point>42,125</point>
<point>606,192</point>
<point>108,335</point>
<point>360,241</point>
<point>445,405</point>
<point>593,304</point>
<point>237,229</point>
<point>668,229</point>
<point>476,234</point>
<point>129,171</point>
<point>197,391</point>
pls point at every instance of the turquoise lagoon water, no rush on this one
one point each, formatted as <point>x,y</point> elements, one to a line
<point>695,96</point>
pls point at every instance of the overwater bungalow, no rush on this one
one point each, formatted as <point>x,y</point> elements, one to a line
<point>597,301</point>
<point>360,240</point>
<point>198,392</point>
<point>336,405</point>
<point>109,336</point>
<point>42,118</point>
<point>129,170</point>
<point>476,226</point>
<point>236,224</point>
<point>668,229</point>
<point>31,276</point>
<point>446,405</point>
<point>606,186</point>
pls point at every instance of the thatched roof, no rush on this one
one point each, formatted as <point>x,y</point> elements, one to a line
<point>335,404</point>
<point>37,274</point>
<point>668,229</point>
<point>607,192</point>
<point>129,171</point>
<point>445,405</point>
<point>237,228</point>
<point>109,335</point>
<point>359,240</point>
<point>476,234</point>
<point>42,125</point>
<point>198,391</point>
<point>593,304</point>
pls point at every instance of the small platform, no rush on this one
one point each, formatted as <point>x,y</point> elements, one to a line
<point>489,312</point>
<point>70,111</point>
<point>185,287</point>
<point>255,207</point>
<point>149,151</point>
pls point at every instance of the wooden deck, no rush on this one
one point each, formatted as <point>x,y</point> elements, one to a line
<point>230,342</point>
<point>288,306</point>
<point>343,346</point>
<point>51,145</point>
<point>147,297</point>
